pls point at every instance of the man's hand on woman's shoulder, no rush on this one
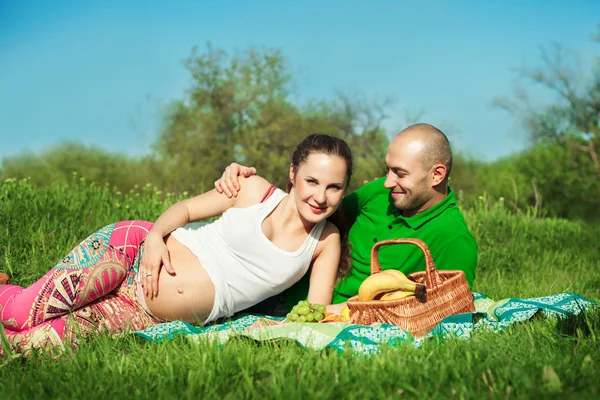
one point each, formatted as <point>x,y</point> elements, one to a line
<point>251,190</point>
<point>229,182</point>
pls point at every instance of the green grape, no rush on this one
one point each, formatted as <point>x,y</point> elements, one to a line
<point>303,310</point>
<point>320,308</point>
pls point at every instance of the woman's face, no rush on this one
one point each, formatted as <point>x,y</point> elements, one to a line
<point>319,184</point>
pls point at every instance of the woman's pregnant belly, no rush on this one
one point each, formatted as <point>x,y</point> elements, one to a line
<point>189,295</point>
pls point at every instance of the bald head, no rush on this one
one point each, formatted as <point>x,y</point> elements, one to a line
<point>428,143</point>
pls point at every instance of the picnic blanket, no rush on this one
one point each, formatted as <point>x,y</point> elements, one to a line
<point>341,336</point>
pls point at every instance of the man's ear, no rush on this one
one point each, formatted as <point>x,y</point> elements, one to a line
<point>438,174</point>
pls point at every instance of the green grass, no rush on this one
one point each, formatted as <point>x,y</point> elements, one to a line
<point>520,256</point>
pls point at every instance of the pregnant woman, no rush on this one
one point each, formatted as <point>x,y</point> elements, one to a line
<point>134,274</point>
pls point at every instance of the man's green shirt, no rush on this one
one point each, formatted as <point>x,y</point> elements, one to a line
<point>375,218</point>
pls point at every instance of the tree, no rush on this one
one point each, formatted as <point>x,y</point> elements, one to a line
<point>238,108</point>
<point>574,119</point>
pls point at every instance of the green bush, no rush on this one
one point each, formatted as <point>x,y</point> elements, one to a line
<point>58,164</point>
<point>547,179</point>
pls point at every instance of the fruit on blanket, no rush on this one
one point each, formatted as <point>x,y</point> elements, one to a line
<point>304,311</point>
<point>346,313</point>
<point>320,308</point>
<point>378,284</point>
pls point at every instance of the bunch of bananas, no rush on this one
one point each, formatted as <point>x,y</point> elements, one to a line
<point>390,284</point>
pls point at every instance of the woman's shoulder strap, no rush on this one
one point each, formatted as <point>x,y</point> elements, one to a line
<point>268,193</point>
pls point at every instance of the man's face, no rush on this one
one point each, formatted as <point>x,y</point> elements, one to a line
<point>406,178</point>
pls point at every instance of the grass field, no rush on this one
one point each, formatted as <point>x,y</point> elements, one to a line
<point>520,256</point>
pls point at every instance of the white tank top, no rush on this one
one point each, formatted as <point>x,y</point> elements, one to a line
<point>243,264</point>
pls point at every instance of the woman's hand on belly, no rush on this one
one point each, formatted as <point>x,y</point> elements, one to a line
<point>156,254</point>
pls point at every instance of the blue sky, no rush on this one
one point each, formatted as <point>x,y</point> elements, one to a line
<point>100,72</point>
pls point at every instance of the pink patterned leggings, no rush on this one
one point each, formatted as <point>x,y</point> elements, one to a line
<point>93,289</point>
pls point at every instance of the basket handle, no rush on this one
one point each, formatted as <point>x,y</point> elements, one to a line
<point>432,278</point>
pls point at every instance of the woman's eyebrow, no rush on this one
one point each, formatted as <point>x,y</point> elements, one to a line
<point>335,183</point>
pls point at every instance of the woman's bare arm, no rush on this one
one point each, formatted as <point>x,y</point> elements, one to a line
<point>325,267</point>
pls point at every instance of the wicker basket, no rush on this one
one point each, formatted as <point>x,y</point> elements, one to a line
<point>447,293</point>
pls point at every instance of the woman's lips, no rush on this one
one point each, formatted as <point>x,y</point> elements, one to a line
<point>316,210</point>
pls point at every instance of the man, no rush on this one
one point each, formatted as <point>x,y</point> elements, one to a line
<point>413,200</point>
